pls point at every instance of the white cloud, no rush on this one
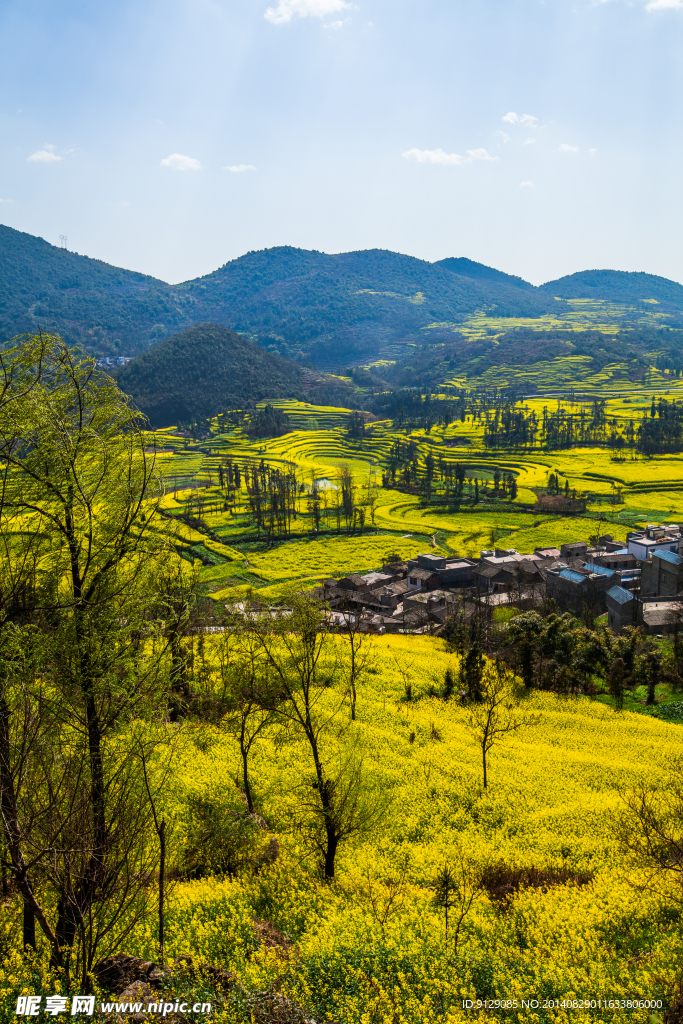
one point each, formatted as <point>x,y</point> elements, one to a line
<point>288,9</point>
<point>526,184</point>
<point>592,151</point>
<point>662,5</point>
<point>6,200</point>
<point>178,162</point>
<point>526,120</point>
<point>481,154</point>
<point>504,136</point>
<point>529,142</point>
<point>566,148</point>
<point>46,155</point>
<point>434,156</point>
<point>438,156</point>
<point>125,204</point>
<point>238,168</point>
<point>335,25</point>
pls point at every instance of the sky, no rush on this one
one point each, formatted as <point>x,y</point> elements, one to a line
<point>541,137</point>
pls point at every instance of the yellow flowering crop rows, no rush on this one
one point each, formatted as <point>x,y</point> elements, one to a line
<point>554,791</point>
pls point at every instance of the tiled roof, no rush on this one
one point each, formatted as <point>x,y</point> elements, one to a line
<point>600,570</point>
<point>620,595</point>
<point>668,556</point>
<point>575,577</point>
<point>490,571</point>
<point>354,578</point>
<point>396,588</point>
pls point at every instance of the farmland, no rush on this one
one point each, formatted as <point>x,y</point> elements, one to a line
<point>621,488</point>
<point>550,943</point>
<point>345,953</point>
<point>303,824</point>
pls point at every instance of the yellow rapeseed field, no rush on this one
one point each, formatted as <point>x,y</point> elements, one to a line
<point>554,791</point>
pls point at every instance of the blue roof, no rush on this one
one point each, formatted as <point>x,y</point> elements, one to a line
<point>575,577</point>
<point>619,595</point>
<point>668,556</point>
<point>599,569</point>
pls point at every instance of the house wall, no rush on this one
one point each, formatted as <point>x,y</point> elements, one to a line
<point>661,578</point>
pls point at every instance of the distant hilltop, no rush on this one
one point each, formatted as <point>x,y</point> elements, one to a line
<point>327,310</point>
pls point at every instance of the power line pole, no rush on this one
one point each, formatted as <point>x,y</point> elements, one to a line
<point>62,239</point>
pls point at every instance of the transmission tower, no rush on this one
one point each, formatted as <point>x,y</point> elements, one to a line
<point>62,239</point>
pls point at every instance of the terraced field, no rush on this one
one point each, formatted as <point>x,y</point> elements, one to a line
<point>581,315</point>
<point>217,529</point>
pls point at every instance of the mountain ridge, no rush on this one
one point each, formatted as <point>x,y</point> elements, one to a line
<point>327,309</point>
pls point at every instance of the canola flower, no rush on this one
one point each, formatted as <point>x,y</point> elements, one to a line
<point>553,793</point>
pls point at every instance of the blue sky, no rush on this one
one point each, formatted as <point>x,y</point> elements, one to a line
<point>170,136</point>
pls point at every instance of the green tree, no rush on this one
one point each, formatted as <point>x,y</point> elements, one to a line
<point>78,477</point>
<point>525,633</point>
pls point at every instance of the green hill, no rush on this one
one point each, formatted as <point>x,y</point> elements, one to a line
<point>350,306</point>
<point>204,371</point>
<point>478,272</point>
<point>329,310</point>
<point>105,309</point>
<point>333,309</point>
<point>616,286</point>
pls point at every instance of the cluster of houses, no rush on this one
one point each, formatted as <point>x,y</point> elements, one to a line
<point>635,583</point>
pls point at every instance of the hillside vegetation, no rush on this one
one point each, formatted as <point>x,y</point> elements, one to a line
<point>105,309</point>
<point>616,286</point>
<point>204,371</point>
<point>332,310</point>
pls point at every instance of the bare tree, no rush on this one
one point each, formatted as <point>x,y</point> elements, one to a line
<point>358,646</point>
<point>456,886</point>
<point>295,649</point>
<point>649,829</point>
<point>247,697</point>
<point>498,713</point>
<point>385,896</point>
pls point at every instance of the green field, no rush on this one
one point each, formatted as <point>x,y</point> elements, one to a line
<point>622,489</point>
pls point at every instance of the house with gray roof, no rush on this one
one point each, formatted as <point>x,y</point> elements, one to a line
<point>621,608</point>
<point>576,589</point>
<point>662,574</point>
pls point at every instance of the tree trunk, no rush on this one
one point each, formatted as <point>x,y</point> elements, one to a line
<point>331,851</point>
<point>162,872</point>
<point>245,772</point>
<point>29,926</point>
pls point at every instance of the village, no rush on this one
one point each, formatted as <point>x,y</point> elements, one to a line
<point>639,582</point>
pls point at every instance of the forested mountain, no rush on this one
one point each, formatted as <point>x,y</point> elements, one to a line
<point>616,286</point>
<point>105,309</point>
<point>303,304</point>
<point>349,306</point>
<point>203,371</point>
<point>478,272</point>
<point>327,310</point>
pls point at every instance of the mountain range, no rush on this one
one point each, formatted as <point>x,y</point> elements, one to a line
<point>325,310</point>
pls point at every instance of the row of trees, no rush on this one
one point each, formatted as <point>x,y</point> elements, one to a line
<point>553,651</point>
